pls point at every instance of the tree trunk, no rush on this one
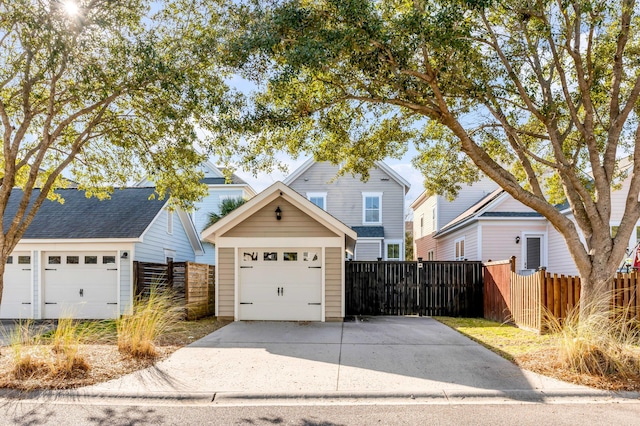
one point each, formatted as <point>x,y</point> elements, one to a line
<point>595,293</point>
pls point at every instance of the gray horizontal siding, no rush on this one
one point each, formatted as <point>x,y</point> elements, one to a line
<point>344,196</point>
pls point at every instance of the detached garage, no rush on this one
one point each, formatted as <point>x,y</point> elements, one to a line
<point>280,257</point>
<point>76,258</point>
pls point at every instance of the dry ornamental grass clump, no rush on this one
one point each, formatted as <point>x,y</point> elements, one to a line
<point>151,316</point>
<point>603,343</point>
<point>55,356</point>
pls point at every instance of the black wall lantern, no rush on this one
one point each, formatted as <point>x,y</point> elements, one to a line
<point>517,240</point>
<point>278,213</point>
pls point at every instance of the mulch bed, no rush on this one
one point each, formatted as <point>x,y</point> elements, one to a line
<point>546,362</point>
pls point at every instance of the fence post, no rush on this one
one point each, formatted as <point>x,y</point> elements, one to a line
<point>512,261</point>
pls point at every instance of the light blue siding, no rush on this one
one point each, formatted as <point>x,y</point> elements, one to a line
<point>35,300</point>
<point>209,256</point>
<point>156,240</point>
<point>126,286</point>
<point>211,204</point>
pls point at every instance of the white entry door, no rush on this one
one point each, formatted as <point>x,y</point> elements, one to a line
<point>80,285</point>
<point>280,284</point>
<point>16,297</point>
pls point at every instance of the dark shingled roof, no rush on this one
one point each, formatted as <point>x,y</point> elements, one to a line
<point>369,231</point>
<point>125,215</point>
<point>235,179</point>
<point>511,214</point>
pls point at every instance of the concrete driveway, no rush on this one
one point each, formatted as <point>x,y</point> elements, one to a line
<point>383,356</point>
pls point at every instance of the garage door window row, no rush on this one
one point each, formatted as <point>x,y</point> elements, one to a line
<point>287,256</point>
<point>22,260</point>
<point>75,260</point>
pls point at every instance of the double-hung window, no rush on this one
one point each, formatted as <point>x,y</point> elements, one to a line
<point>459,249</point>
<point>392,250</point>
<point>371,207</point>
<point>318,198</point>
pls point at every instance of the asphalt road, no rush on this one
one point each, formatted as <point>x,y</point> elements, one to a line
<point>96,413</point>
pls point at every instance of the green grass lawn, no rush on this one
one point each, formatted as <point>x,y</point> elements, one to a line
<point>504,339</point>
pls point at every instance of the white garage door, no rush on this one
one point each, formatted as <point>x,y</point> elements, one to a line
<point>280,284</point>
<point>80,285</point>
<point>16,297</point>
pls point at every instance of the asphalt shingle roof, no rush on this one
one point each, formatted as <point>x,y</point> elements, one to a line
<point>369,231</point>
<point>126,214</point>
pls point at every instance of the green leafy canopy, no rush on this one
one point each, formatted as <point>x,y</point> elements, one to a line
<point>541,96</point>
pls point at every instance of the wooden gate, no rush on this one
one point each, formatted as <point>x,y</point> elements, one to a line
<point>414,288</point>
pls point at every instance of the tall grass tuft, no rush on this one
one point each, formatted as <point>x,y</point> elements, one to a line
<point>152,315</point>
<point>22,337</point>
<point>604,343</point>
<point>66,359</point>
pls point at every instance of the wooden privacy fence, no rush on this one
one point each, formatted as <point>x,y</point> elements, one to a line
<point>525,300</point>
<point>497,290</point>
<point>192,283</point>
<point>413,288</point>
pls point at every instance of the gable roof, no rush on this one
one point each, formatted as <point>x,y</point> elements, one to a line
<point>481,209</point>
<point>126,215</point>
<point>276,190</point>
<point>382,166</point>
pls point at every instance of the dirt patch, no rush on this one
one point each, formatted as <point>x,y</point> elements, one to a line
<point>104,360</point>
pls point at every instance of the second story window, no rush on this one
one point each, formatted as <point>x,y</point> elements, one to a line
<point>169,222</point>
<point>372,207</point>
<point>459,250</point>
<point>318,198</point>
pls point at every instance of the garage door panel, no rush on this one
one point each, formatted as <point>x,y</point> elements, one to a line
<point>280,284</point>
<point>16,298</point>
<point>80,285</point>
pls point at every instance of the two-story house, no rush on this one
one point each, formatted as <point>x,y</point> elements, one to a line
<point>485,224</point>
<point>432,212</point>
<point>374,209</point>
<point>218,189</point>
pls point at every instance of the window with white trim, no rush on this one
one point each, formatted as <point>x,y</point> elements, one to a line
<point>431,255</point>
<point>169,255</point>
<point>372,207</point>
<point>421,225</point>
<point>433,219</point>
<point>393,250</point>
<point>318,198</point>
<point>459,249</point>
<point>169,222</point>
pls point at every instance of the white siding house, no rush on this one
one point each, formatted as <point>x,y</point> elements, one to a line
<point>75,259</point>
<point>497,227</point>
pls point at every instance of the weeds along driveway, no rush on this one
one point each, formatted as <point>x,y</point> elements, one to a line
<point>381,355</point>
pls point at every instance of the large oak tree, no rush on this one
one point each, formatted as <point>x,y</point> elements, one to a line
<point>105,91</point>
<point>539,95</point>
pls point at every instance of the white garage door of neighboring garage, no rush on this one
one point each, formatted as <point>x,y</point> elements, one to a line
<point>280,284</point>
<point>80,285</point>
<point>16,298</point>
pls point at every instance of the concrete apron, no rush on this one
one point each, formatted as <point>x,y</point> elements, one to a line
<point>401,358</point>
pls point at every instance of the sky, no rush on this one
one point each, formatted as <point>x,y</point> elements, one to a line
<point>402,166</point>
